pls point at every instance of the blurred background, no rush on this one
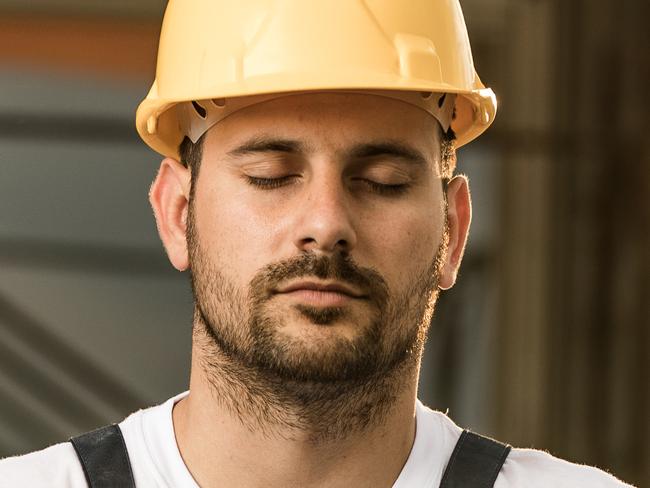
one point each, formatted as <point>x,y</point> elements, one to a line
<point>543,342</point>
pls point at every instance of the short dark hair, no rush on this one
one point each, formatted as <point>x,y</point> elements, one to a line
<point>191,154</point>
<point>447,155</point>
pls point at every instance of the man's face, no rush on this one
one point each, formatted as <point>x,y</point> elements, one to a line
<point>316,235</point>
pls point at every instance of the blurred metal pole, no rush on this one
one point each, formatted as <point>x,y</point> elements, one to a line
<point>526,180</point>
<point>573,360</point>
<point>599,374</point>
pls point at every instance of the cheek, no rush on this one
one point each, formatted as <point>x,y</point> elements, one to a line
<point>404,244</point>
<point>237,237</point>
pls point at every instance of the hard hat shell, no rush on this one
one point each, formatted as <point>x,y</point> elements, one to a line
<point>218,49</point>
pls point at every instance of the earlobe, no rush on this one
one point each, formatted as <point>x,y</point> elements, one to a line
<point>169,198</point>
<point>459,216</point>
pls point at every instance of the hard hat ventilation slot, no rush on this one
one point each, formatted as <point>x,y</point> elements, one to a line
<point>199,110</point>
<point>219,102</point>
<point>441,100</point>
<point>425,95</point>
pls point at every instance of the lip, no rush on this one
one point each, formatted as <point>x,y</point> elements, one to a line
<point>321,287</point>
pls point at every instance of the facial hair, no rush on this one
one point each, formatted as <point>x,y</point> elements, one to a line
<point>329,386</point>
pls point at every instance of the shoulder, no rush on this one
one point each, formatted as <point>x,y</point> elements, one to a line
<point>57,466</point>
<point>530,468</point>
<point>523,468</point>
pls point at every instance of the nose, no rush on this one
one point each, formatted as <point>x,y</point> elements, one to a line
<point>325,219</point>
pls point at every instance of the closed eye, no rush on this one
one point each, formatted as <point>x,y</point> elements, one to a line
<point>269,183</point>
<point>385,189</point>
<point>379,188</point>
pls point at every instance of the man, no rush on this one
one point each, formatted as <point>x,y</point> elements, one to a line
<point>308,188</point>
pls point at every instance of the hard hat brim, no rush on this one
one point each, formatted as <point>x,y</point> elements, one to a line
<point>160,128</point>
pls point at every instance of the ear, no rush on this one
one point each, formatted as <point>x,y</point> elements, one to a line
<point>169,198</point>
<point>459,216</point>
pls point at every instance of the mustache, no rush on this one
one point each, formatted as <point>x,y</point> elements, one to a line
<point>337,266</point>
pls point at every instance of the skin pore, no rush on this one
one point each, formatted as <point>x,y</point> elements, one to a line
<point>292,386</point>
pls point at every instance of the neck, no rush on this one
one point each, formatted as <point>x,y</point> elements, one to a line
<point>273,432</point>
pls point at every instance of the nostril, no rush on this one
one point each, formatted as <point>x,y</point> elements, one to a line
<point>310,244</point>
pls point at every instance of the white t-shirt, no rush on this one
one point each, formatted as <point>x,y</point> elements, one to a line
<point>157,463</point>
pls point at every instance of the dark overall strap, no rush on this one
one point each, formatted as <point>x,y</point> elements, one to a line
<point>104,458</point>
<point>475,462</point>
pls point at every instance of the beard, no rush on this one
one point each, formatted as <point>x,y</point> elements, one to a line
<point>326,383</point>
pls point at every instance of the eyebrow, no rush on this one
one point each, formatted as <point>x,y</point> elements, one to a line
<point>263,144</point>
<point>388,148</point>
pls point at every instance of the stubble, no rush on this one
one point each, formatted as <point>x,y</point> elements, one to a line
<point>276,383</point>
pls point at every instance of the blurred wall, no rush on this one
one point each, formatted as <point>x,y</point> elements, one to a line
<point>544,340</point>
<point>94,323</point>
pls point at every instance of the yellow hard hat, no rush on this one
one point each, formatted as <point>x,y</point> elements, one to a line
<point>214,52</point>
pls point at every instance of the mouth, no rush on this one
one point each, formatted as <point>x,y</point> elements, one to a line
<point>320,294</point>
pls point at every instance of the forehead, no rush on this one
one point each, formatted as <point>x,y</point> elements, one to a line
<point>327,121</point>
